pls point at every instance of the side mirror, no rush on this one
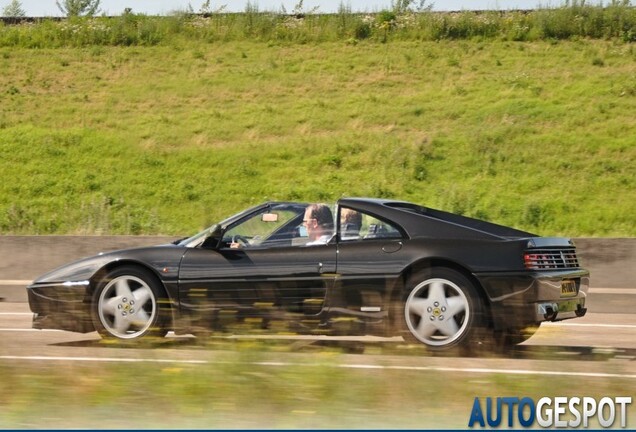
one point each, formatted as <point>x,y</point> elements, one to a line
<point>213,237</point>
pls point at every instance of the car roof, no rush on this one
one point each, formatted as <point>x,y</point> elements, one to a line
<point>420,221</point>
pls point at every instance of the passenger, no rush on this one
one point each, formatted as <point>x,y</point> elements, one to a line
<point>319,223</point>
<point>350,223</point>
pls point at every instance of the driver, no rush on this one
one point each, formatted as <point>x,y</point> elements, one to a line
<point>319,223</point>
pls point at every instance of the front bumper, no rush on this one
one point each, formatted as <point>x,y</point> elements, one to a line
<point>61,306</point>
<point>522,299</point>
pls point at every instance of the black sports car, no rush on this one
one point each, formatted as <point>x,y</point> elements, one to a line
<point>364,266</point>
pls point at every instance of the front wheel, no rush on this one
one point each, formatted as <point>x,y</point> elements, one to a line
<point>127,304</point>
<point>442,309</point>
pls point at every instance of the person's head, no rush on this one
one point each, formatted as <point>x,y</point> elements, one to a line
<point>318,220</point>
<point>350,221</point>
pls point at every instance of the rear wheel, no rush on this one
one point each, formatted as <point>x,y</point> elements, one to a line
<point>442,309</point>
<point>129,304</point>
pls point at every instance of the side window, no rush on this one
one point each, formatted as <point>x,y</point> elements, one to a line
<point>356,225</point>
<point>276,227</point>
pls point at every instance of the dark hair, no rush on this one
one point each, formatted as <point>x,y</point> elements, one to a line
<point>322,214</point>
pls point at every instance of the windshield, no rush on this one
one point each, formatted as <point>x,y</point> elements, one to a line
<point>199,238</point>
<point>277,224</point>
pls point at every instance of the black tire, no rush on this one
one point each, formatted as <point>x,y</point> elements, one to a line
<point>442,309</point>
<point>129,303</point>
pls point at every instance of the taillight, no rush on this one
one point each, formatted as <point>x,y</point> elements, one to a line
<point>529,260</point>
<point>539,261</point>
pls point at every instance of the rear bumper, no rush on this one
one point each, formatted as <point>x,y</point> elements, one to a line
<point>560,310</point>
<point>61,306</point>
<point>522,299</point>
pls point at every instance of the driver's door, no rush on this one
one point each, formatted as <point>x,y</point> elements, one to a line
<point>261,269</point>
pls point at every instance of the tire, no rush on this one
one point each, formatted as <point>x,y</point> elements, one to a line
<point>128,304</point>
<point>442,310</point>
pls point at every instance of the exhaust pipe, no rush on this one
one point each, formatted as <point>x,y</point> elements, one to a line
<point>580,311</point>
<point>550,314</point>
<point>549,311</point>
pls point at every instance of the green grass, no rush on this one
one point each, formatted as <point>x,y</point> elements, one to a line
<point>237,392</point>
<point>169,138</point>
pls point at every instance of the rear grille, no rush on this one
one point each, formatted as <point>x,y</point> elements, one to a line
<point>540,259</point>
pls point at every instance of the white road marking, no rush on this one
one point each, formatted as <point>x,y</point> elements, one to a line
<point>101,359</point>
<point>343,366</point>
<point>497,371</point>
<point>326,338</point>
<point>335,338</point>
<point>631,291</point>
<point>589,325</point>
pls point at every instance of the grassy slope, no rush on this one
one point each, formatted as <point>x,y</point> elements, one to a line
<point>539,135</point>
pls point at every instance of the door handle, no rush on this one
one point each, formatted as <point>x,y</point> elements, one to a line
<point>392,247</point>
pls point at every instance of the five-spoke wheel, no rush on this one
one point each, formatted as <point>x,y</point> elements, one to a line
<point>126,304</point>
<point>441,309</point>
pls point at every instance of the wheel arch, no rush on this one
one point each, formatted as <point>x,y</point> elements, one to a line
<point>430,263</point>
<point>114,265</point>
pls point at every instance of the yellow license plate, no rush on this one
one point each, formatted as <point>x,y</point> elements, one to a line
<point>568,288</point>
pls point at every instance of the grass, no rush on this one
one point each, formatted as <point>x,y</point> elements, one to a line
<point>237,392</point>
<point>168,137</point>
